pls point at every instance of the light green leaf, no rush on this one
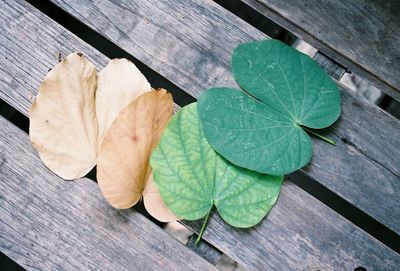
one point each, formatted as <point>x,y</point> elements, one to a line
<point>191,177</point>
<point>265,132</point>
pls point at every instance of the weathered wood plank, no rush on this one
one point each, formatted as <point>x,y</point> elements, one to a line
<point>362,35</point>
<point>319,238</point>
<point>300,233</point>
<point>50,224</point>
<point>181,41</point>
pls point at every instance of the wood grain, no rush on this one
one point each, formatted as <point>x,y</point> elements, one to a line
<point>362,35</point>
<point>300,233</point>
<point>319,238</point>
<point>47,223</point>
<point>181,41</point>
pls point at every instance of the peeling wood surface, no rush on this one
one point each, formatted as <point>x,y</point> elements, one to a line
<point>363,35</point>
<point>300,233</point>
<point>180,40</point>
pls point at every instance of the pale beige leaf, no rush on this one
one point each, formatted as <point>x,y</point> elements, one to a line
<point>63,126</point>
<point>155,205</point>
<point>119,83</point>
<point>123,158</point>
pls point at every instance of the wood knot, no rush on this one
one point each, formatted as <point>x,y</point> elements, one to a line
<point>356,104</point>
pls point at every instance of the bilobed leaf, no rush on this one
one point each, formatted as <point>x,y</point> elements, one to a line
<point>63,126</point>
<point>265,132</point>
<point>69,138</point>
<point>191,177</point>
<point>119,83</point>
<point>123,159</point>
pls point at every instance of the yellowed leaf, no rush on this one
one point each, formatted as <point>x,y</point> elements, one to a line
<point>69,119</point>
<point>155,205</point>
<point>123,158</point>
<point>63,126</point>
<point>119,83</point>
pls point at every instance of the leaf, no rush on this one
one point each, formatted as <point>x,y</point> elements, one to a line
<point>154,204</point>
<point>119,83</point>
<point>191,177</point>
<point>288,81</point>
<point>123,159</point>
<point>63,126</point>
<point>265,133</point>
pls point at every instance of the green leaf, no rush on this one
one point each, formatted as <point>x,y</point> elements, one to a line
<point>249,134</point>
<point>265,132</point>
<point>191,177</point>
<point>287,81</point>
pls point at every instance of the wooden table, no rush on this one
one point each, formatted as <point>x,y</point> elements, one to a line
<point>341,212</point>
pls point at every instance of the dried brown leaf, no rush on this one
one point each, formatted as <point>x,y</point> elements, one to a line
<point>69,119</point>
<point>123,159</point>
<point>155,205</point>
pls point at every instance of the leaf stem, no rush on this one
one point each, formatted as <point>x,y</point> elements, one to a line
<point>202,228</point>
<point>318,135</point>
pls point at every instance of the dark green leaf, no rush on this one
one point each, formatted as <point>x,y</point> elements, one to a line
<point>265,133</point>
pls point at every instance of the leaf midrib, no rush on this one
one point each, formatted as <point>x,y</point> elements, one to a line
<point>267,85</point>
<point>184,150</point>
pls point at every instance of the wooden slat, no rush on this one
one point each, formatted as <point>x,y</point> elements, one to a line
<point>70,225</point>
<point>190,43</point>
<point>300,233</point>
<point>363,35</point>
<point>47,223</point>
